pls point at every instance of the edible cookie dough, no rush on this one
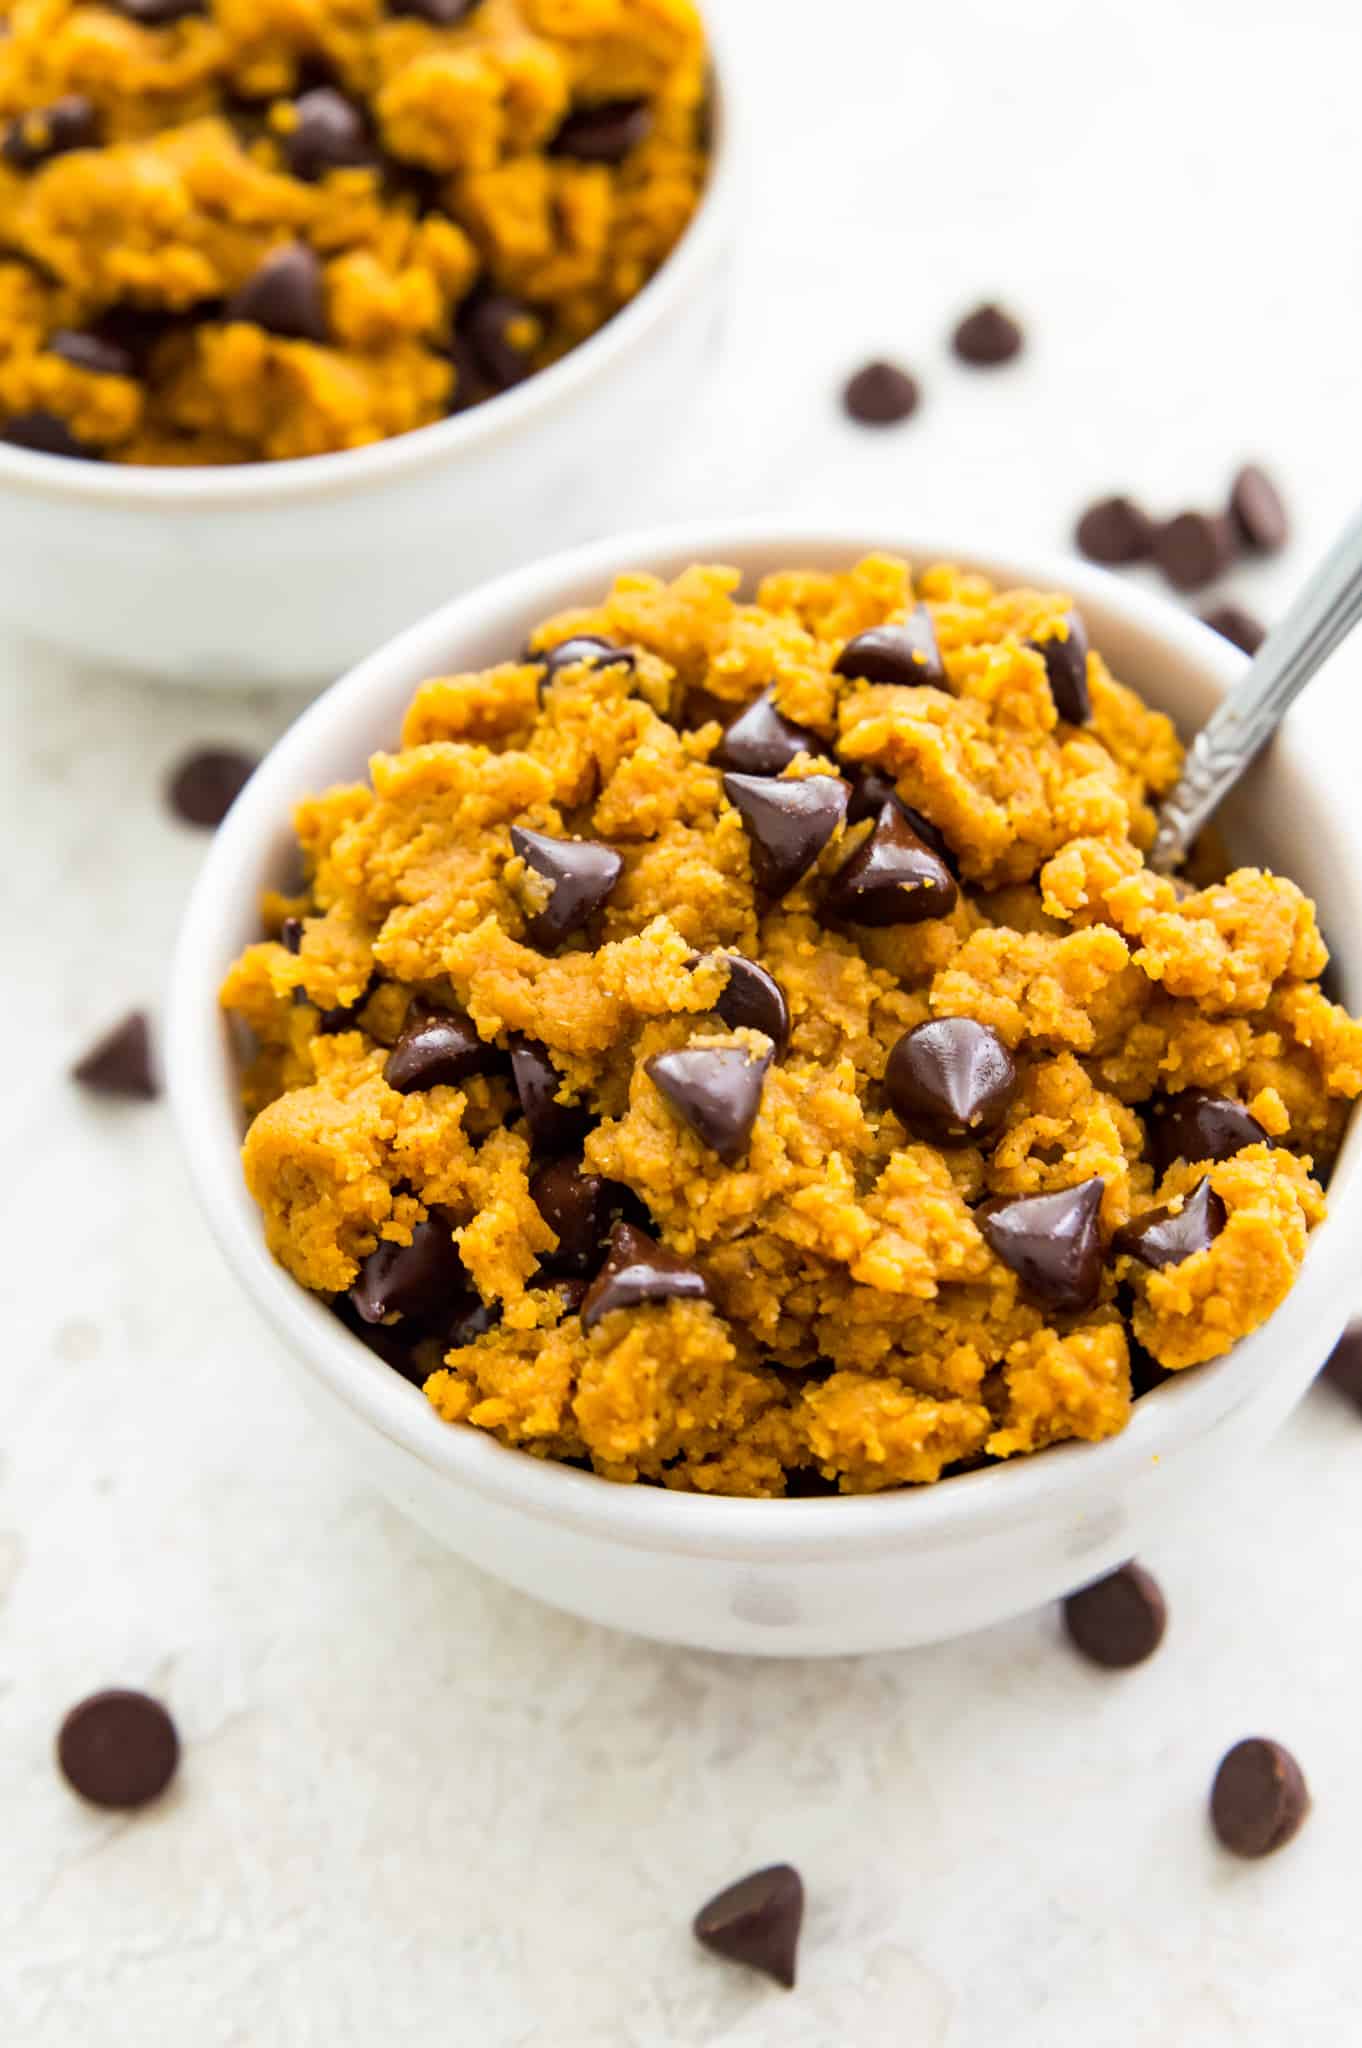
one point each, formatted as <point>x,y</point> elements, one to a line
<point>234,229</point>
<point>739,1044</point>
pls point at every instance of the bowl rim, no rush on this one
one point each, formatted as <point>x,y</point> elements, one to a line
<point>260,485</point>
<point>644,1517</point>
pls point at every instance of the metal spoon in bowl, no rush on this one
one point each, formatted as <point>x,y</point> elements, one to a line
<point>1324,614</point>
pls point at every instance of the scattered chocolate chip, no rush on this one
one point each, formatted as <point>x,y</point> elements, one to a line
<point>71,122</point>
<point>120,1062</point>
<point>715,1091</point>
<point>881,395</point>
<point>1115,531</point>
<point>158,13</point>
<point>1233,623</point>
<point>437,1049</point>
<point>587,647</point>
<point>906,653</point>
<point>1194,548</point>
<point>986,337</point>
<point>1161,1238</point>
<point>291,934</point>
<point>486,322</point>
<point>553,1126</point>
<point>204,785</point>
<point>412,1279</point>
<point>329,134</point>
<point>44,434</point>
<point>1259,1797</point>
<point>1343,1367</point>
<point>638,1269</point>
<point>1193,1125</point>
<point>951,1080</point>
<point>118,1749</point>
<point>576,1206</point>
<point>756,1921</point>
<point>90,352</point>
<point>761,742</point>
<point>1120,1620</point>
<point>1066,668</point>
<point>1052,1242</point>
<point>439,13</point>
<point>582,871</point>
<point>892,878</point>
<point>754,999</point>
<point>788,822</point>
<point>1257,511</point>
<point>605,133</point>
<point>286,295</point>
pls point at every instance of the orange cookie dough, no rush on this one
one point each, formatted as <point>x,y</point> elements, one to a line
<point>235,231</point>
<point>738,1044</point>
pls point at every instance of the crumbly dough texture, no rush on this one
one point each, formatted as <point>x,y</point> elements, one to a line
<point>189,188</point>
<point>860,1331</point>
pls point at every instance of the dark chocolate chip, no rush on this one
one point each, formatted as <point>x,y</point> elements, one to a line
<point>881,395</point>
<point>329,134</point>
<point>291,934</point>
<point>583,647</point>
<point>715,1091</point>
<point>1233,623</point>
<point>118,1749</point>
<point>120,1062</point>
<point>553,1126</point>
<point>1194,548</point>
<point>286,295</point>
<point>1194,1124</point>
<point>437,1049</point>
<point>1257,511</point>
<point>1259,1797</point>
<point>136,330</point>
<point>158,13</point>
<point>345,1017</point>
<point>788,821</point>
<point>412,1279</point>
<point>72,122</point>
<point>204,785</point>
<point>1116,531</point>
<point>576,1206</point>
<point>1052,1242</point>
<point>605,133</point>
<point>986,337</point>
<point>582,871</point>
<point>471,1318</point>
<point>1120,1620</point>
<point>395,1343</point>
<point>951,1081</point>
<point>472,385</point>
<point>1161,1238</point>
<point>892,878</point>
<point>90,352</point>
<point>1066,668</point>
<point>762,742</point>
<point>572,1293</point>
<point>1343,1366</point>
<point>906,653</point>
<point>638,1269</point>
<point>439,13</point>
<point>806,1482</point>
<point>44,434</point>
<point>485,321</point>
<point>756,1921</point>
<point>754,999</point>
<point>1145,1371</point>
<point>873,789</point>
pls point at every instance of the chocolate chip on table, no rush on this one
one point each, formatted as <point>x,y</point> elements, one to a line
<point>329,134</point>
<point>605,133</point>
<point>1233,623</point>
<point>881,395</point>
<point>1120,1620</point>
<point>439,13</point>
<point>761,741</point>
<point>44,434</point>
<point>291,935</point>
<point>90,352</point>
<point>788,822</point>
<point>1259,1797</point>
<point>486,322</point>
<point>553,1126</point>
<point>437,1049</point>
<point>582,871</point>
<point>1115,531</point>
<point>1161,1238</point>
<point>906,653</point>
<point>1343,1367</point>
<point>205,784</point>
<point>986,337</point>
<point>892,878</point>
<point>286,295</point>
<point>755,999</point>
<point>757,1921</point>
<point>576,1206</point>
<point>410,1279</point>
<point>72,122</point>
<point>638,1269</point>
<point>1257,512</point>
<point>716,1092</point>
<point>1066,668</point>
<point>1193,548</point>
<point>1194,1124</point>
<point>120,1062</point>
<point>118,1749</point>
<point>1052,1242</point>
<point>951,1080</point>
<point>583,647</point>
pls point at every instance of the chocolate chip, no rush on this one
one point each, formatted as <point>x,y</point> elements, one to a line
<point>873,789</point>
<point>716,1092</point>
<point>45,434</point>
<point>471,1318</point>
<point>1116,531</point>
<point>756,1921</point>
<point>583,647</point>
<point>1259,1797</point>
<point>90,352</point>
<point>1233,623</point>
<point>1343,1367</point>
<point>582,871</point>
<point>986,337</point>
<point>754,999</point>
<point>118,1749</point>
<point>1161,1238</point>
<point>1145,1371</point>
<point>329,134</point>
<point>412,1279</point>
<point>881,395</point>
<point>486,322</point>
<point>576,1206</point>
<point>951,1081</point>
<point>1066,668</point>
<point>603,134</point>
<point>345,1016</point>
<point>437,1049</point>
<point>1052,1242</point>
<point>905,654</point>
<point>553,1126</point>
<point>1120,1620</point>
<point>285,296</point>
<point>761,742</point>
<point>204,785</point>
<point>158,13</point>
<point>1257,511</point>
<point>892,878</point>
<point>1194,1124</point>
<point>120,1062</point>
<point>439,13</point>
<point>638,1269</point>
<point>788,823</point>
<point>291,934</point>
<point>72,122</point>
<point>1194,548</point>
<point>397,1344</point>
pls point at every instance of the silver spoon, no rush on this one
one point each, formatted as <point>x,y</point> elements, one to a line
<point>1324,614</point>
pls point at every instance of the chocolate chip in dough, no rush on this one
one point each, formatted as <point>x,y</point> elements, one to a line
<point>762,742</point>
<point>1120,1620</point>
<point>437,1049</point>
<point>576,1206</point>
<point>553,1126</point>
<point>892,878</point>
<point>1052,1242</point>
<point>205,784</point>
<point>987,337</point>
<point>1343,1367</point>
<point>291,935</point>
<point>951,1081</point>
<point>1161,1238</point>
<point>716,1092</point>
<point>873,789</point>
<point>1194,1124</point>
<point>91,352</point>
<point>118,1749</point>
<point>757,1921</point>
<point>487,322</point>
<point>583,647</point>
<point>638,1269</point>
<point>286,295</point>
<point>329,134</point>
<point>470,1319</point>
<point>1257,512</point>
<point>412,1279</point>
<point>1194,548</point>
<point>120,1062</point>
<point>395,1343</point>
<point>1066,667</point>
<point>881,395</point>
<point>906,653</point>
<point>1233,623</point>
<point>788,822</point>
<point>1116,532</point>
<point>1259,1797</point>
<point>582,872</point>
<point>755,999</point>
<point>42,433</point>
<point>72,122</point>
<point>158,13</point>
<point>605,133</point>
<point>439,13</point>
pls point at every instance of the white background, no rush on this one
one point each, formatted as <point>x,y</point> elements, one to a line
<point>416,1808</point>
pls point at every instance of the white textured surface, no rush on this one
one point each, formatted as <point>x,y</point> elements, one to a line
<point>418,1809</point>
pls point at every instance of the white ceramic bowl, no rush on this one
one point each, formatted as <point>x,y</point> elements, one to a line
<point>286,572</point>
<point>815,1577</point>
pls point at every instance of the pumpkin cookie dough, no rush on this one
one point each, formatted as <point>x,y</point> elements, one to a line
<point>234,231</point>
<point>738,1045</point>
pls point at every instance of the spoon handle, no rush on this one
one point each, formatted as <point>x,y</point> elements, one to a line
<point>1322,615</point>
